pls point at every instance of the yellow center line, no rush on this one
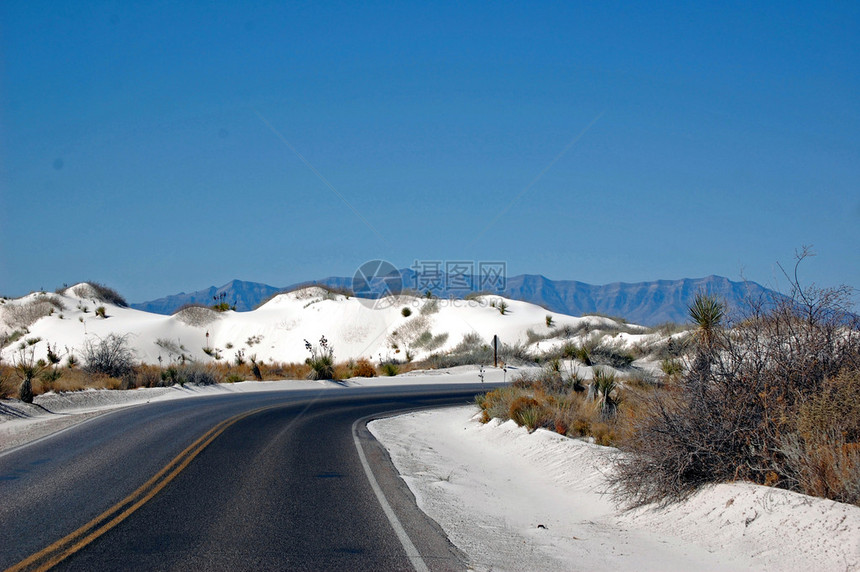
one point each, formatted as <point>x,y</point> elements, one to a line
<point>68,545</point>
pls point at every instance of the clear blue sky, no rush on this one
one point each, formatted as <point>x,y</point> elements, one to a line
<point>147,145</point>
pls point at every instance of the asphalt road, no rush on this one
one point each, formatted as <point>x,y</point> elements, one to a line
<point>275,483</point>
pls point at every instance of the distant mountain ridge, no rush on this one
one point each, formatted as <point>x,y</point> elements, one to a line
<point>646,303</point>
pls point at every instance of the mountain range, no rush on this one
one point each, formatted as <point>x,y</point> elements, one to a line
<point>646,303</point>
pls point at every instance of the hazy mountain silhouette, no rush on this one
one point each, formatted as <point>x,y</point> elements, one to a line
<point>646,303</point>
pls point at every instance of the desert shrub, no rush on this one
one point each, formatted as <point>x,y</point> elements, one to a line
<point>611,356</point>
<point>435,342</point>
<point>172,348</point>
<point>144,376</point>
<point>101,312</point>
<point>672,367</point>
<point>196,315</point>
<point>11,338</point>
<point>321,360</point>
<point>189,373</point>
<point>822,450</point>
<point>102,293</point>
<point>496,403</point>
<point>532,336</point>
<point>49,377</point>
<point>287,371</point>
<point>110,356</point>
<point>430,307</point>
<point>471,350</point>
<point>406,312</point>
<point>196,374</point>
<point>363,368</point>
<point>526,411</point>
<point>568,330</point>
<point>390,369</point>
<point>737,412</point>
<point>515,354</point>
<point>581,353</point>
<point>22,316</point>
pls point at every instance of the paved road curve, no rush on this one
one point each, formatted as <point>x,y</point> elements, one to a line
<point>281,488</point>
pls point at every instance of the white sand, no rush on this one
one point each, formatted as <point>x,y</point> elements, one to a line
<point>512,500</point>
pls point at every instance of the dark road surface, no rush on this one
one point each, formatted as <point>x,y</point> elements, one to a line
<point>279,489</point>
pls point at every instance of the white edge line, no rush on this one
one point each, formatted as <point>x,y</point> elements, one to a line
<point>412,552</point>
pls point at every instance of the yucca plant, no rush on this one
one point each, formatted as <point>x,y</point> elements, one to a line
<point>608,397</point>
<point>707,313</point>
<point>321,360</point>
<point>27,369</point>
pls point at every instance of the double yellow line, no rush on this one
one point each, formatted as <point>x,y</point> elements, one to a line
<point>65,547</point>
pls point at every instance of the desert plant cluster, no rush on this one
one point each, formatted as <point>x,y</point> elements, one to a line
<point>769,393</point>
<point>770,396</point>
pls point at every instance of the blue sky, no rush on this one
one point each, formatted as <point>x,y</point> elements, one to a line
<point>155,147</point>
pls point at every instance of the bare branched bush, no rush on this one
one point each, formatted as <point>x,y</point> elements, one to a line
<point>109,356</point>
<point>736,412</point>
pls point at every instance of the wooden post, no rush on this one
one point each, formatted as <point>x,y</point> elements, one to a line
<point>495,351</point>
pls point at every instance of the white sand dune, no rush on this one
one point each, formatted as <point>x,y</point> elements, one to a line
<point>276,330</point>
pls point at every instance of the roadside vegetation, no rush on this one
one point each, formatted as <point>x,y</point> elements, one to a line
<point>769,394</point>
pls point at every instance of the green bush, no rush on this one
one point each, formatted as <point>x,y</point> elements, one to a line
<point>390,369</point>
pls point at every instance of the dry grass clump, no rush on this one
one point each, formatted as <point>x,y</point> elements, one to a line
<point>563,403</point>
<point>363,368</point>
